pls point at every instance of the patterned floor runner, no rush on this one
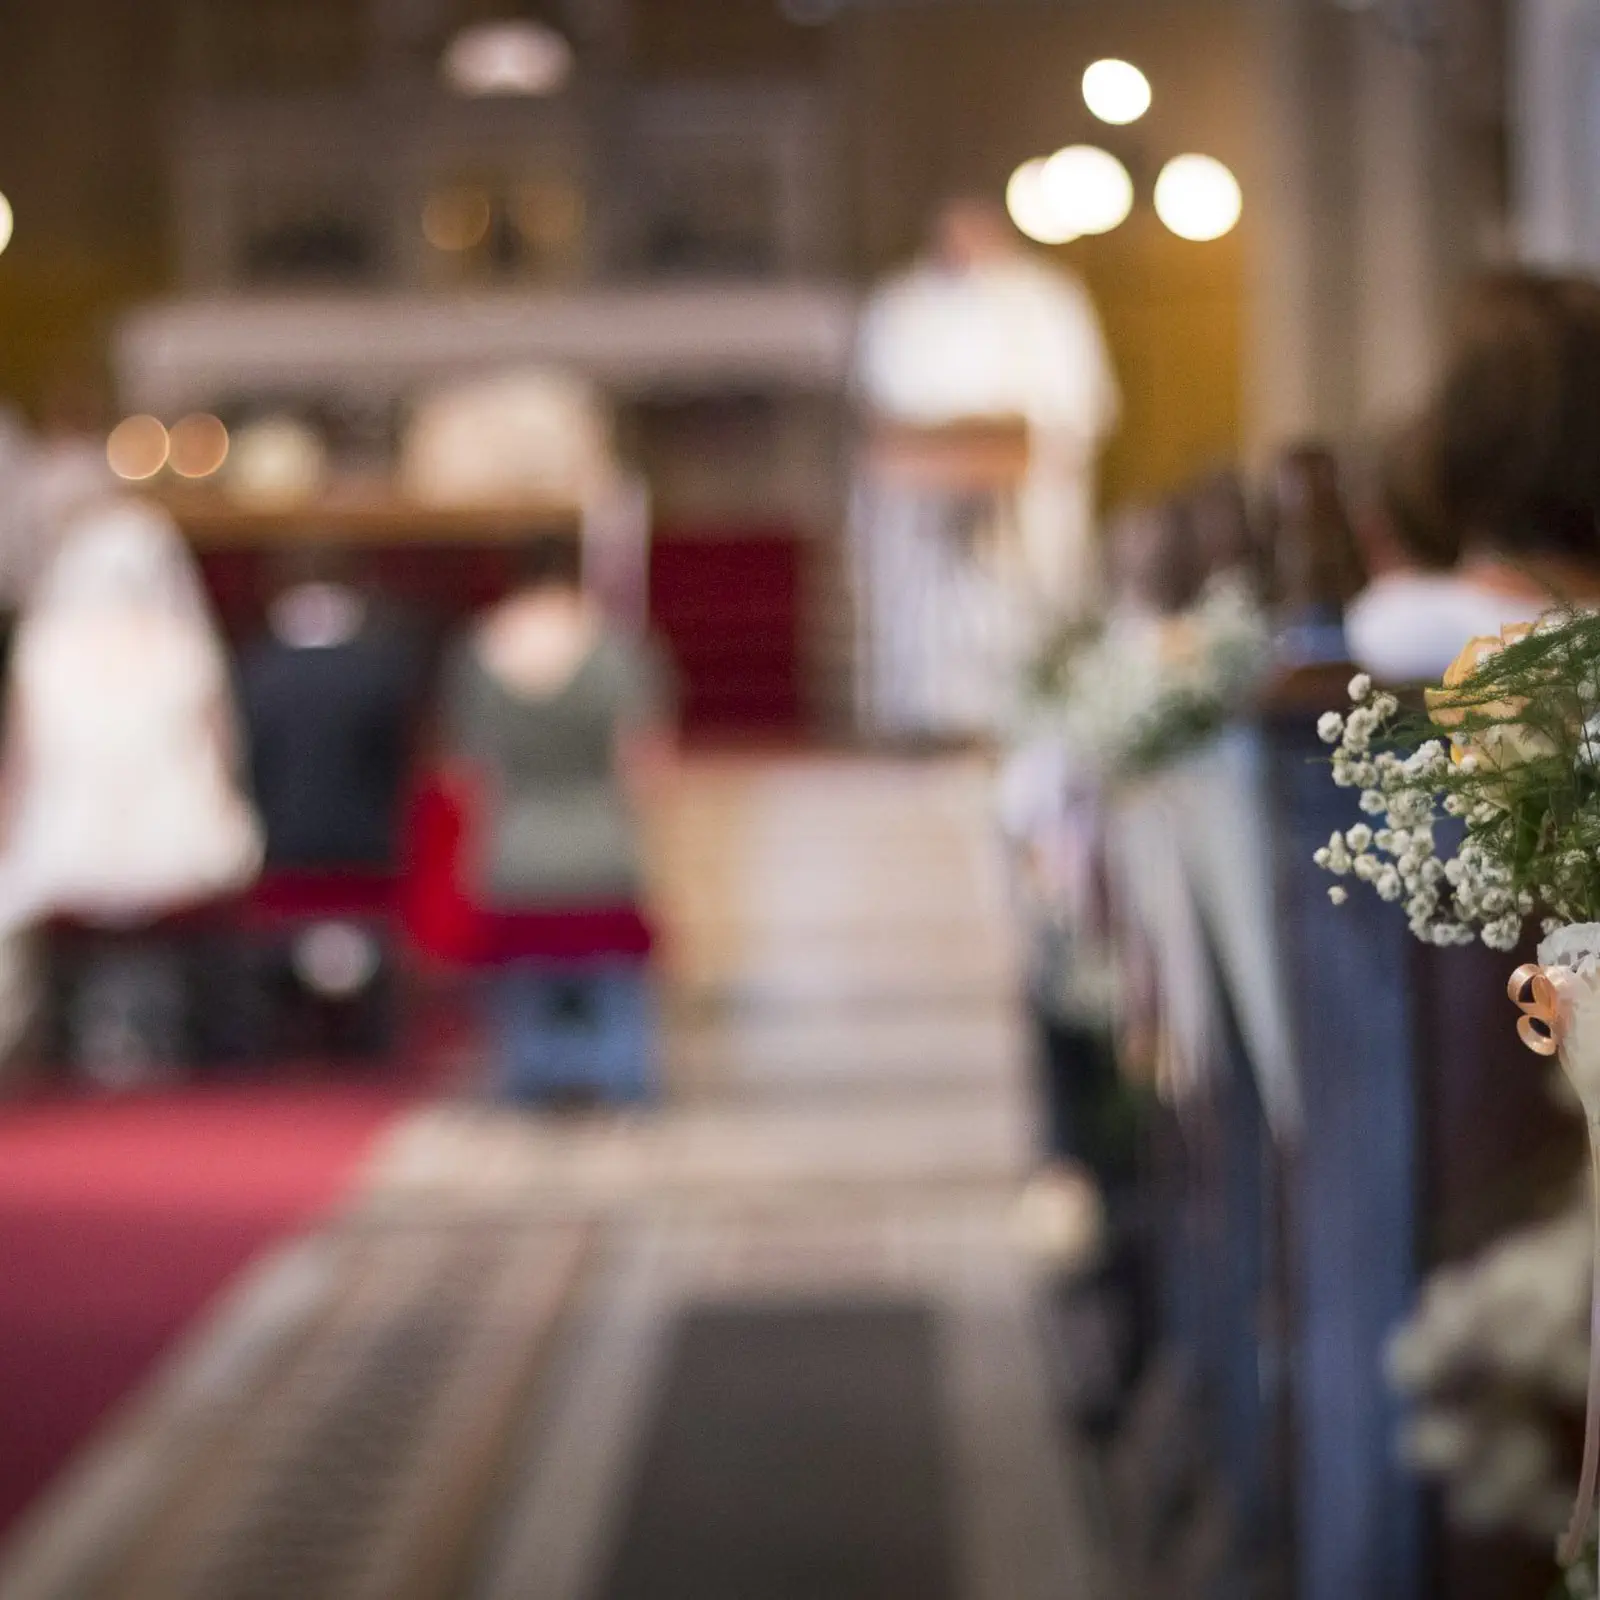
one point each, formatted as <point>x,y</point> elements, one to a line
<point>333,1437</point>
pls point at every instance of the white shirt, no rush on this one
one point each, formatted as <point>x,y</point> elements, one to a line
<point>1013,338</point>
<point>1407,627</point>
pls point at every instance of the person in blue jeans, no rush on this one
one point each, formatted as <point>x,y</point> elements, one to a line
<point>557,723</point>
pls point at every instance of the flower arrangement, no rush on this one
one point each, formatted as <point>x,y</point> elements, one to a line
<point>1504,761</point>
<point>1145,691</point>
<point>1496,1349</point>
<point>1510,748</point>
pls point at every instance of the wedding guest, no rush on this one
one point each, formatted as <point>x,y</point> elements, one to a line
<point>1507,468</point>
<point>1317,567</point>
<point>557,724</point>
<point>1153,564</point>
<point>1224,533</point>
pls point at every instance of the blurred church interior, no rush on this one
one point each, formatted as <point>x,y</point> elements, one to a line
<point>297,1298</point>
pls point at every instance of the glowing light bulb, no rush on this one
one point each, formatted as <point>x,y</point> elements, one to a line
<point>1086,189</point>
<point>1198,198</point>
<point>1116,91</point>
<point>138,447</point>
<point>507,58</point>
<point>198,445</point>
<point>1029,208</point>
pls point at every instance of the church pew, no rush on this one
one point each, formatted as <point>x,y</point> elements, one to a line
<point>1428,1134</point>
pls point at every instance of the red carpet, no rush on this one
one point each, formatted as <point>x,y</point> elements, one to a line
<point>119,1222</point>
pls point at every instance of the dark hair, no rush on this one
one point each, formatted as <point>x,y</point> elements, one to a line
<point>552,561</point>
<point>1409,499</point>
<point>1516,445</point>
<point>1220,524</point>
<point>1151,556</point>
<point>1315,558</point>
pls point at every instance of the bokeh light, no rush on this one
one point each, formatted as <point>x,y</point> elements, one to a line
<point>276,461</point>
<point>1116,91</point>
<point>199,445</point>
<point>1198,198</point>
<point>455,219</point>
<point>1030,210</point>
<point>1086,189</point>
<point>7,222</point>
<point>507,58</point>
<point>138,447</point>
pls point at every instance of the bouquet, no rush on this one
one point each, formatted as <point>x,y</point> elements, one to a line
<point>1146,691</point>
<point>1495,1348</point>
<point>1504,765</point>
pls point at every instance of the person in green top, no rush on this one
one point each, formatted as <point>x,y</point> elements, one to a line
<point>559,724</point>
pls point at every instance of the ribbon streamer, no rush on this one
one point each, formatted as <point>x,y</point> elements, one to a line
<point>1542,1028</point>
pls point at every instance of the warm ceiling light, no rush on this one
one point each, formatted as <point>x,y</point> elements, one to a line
<point>1198,198</point>
<point>1116,91</point>
<point>1086,189</point>
<point>455,219</point>
<point>507,58</point>
<point>7,222</point>
<point>1029,208</point>
<point>138,447</point>
<point>199,445</point>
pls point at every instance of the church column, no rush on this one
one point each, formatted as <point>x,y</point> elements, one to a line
<point>1300,368</point>
<point>1398,125</point>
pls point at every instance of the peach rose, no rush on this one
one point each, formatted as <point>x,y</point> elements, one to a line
<point>1508,743</point>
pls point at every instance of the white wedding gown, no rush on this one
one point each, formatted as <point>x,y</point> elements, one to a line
<point>120,798</point>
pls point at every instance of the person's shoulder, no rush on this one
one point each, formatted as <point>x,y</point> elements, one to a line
<point>1410,625</point>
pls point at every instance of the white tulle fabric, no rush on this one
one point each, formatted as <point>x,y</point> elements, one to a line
<point>1188,866</point>
<point>120,798</point>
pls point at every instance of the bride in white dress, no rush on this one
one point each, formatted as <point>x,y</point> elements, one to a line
<point>120,796</point>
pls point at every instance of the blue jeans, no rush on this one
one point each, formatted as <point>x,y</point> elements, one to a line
<point>563,1027</point>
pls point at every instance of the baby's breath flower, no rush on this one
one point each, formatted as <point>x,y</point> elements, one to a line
<point>1338,894</point>
<point>1531,823</point>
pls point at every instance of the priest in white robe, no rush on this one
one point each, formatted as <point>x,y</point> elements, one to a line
<point>965,552</point>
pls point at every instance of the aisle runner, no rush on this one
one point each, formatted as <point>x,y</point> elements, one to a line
<point>815,1431</point>
<point>588,1504</point>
